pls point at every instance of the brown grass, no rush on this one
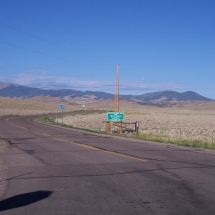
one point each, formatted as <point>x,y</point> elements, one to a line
<point>191,120</point>
<point>38,105</point>
<point>194,120</point>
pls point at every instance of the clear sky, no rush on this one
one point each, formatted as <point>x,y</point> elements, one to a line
<point>76,44</point>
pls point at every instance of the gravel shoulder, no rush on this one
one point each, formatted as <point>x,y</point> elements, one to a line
<point>3,169</point>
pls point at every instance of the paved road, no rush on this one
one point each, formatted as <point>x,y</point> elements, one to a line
<point>59,171</point>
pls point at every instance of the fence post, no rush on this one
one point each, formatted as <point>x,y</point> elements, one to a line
<point>108,127</point>
<point>120,127</point>
<point>180,133</point>
<point>212,136</point>
<point>136,127</point>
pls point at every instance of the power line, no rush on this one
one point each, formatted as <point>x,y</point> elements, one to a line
<point>30,50</point>
<point>53,43</point>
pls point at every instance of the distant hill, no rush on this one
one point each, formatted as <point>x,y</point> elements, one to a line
<point>167,96</point>
<point>14,90</point>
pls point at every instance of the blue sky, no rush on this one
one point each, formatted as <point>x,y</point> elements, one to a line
<point>76,44</point>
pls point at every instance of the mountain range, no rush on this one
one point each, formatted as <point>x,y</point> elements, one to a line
<point>19,91</point>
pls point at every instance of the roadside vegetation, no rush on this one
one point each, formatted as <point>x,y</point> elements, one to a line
<point>181,142</point>
<point>140,136</point>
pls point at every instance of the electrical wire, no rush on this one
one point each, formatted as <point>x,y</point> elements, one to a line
<point>30,50</point>
<point>53,43</point>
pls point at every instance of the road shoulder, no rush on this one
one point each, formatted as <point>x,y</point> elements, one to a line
<point>3,168</point>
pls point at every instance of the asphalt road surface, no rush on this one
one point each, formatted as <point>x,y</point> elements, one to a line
<point>60,171</point>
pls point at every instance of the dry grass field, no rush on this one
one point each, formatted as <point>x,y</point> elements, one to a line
<point>186,120</point>
<point>37,105</point>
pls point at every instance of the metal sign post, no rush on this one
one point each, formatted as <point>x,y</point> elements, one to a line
<point>62,107</point>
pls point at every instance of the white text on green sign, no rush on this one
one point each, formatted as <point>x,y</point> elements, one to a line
<point>115,116</point>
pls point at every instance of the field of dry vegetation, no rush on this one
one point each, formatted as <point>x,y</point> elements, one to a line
<point>37,105</point>
<point>186,120</point>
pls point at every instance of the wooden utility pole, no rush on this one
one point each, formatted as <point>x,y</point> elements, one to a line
<point>116,99</point>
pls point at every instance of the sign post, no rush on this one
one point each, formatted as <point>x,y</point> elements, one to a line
<point>62,107</point>
<point>115,117</point>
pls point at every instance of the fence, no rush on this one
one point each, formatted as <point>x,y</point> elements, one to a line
<point>123,127</point>
<point>179,133</point>
<point>163,132</point>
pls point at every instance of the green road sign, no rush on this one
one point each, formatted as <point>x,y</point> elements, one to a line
<point>115,116</point>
